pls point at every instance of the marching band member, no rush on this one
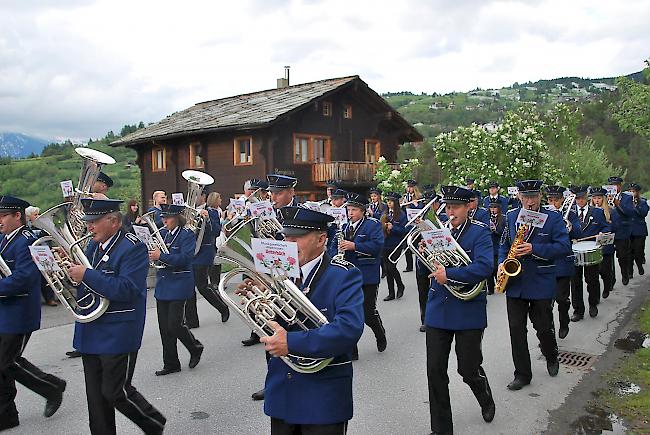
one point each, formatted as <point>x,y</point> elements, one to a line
<point>624,206</point>
<point>159,198</point>
<point>478,213</point>
<point>532,292</point>
<point>363,243</point>
<point>639,228</point>
<point>20,315</point>
<point>174,286</point>
<point>409,200</point>
<point>377,207</point>
<point>337,199</point>
<point>592,222</point>
<point>109,345</point>
<point>496,226</point>
<point>282,188</point>
<point>330,186</point>
<point>449,318</point>
<point>320,402</point>
<point>203,260</point>
<point>394,225</point>
<point>493,189</point>
<point>564,266</point>
<point>261,186</point>
<point>470,184</point>
<point>102,184</point>
<point>606,267</point>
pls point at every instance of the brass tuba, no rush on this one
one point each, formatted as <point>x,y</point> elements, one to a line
<point>452,258</point>
<point>92,163</point>
<point>56,222</point>
<point>196,181</point>
<point>271,297</point>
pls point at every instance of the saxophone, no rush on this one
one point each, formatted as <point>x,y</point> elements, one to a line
<point>340,252</point>
<point>511,266</point>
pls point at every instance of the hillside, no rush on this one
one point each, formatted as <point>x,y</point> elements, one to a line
<point>17,145</point>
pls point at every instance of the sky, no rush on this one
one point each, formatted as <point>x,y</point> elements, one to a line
<point>79,68</point>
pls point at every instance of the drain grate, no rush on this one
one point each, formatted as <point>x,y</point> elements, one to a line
<point>576,359</point>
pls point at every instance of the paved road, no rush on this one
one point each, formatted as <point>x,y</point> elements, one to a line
<point>390,388</point>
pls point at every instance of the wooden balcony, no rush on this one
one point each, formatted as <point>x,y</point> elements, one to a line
<point>348,173</point>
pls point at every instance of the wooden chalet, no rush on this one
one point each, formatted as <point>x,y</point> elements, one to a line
<point>330,129</point>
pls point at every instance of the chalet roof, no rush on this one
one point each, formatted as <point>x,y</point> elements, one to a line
<point>248,111</point>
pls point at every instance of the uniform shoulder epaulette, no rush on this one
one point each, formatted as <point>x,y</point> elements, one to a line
<point>548,208</point>
<point>511,210</point>
<point>340,262</point>
<point>479,223</point>
<point>132,238</point>
<point>27,234</point>
<point>370,218</point>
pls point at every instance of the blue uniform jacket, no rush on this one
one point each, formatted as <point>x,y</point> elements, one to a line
<point>119,275</point>
<point>377,210</point>
<point>397,233</point>
<point>565,266</point>
<point>502,200</point>
<point>496,235</point>
<point>205,256</point>
<point>368,239</point>
<point>20,292</point>
<point>444,310</point>
<point>176,281</point>
<point>594,222</point>
<point>625,212</point>
<point>482,215</point>
<point>157,216</point>
<point>324,397</point>
<point>639,226</point>
<point>537,277</point>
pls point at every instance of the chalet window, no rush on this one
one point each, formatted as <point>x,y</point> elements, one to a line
<point>327,108</point>
<point>311,149</point>
<point>158,159</point>
<point>196,155</point>
<point>372,150</point>
<point>347,111</point>
<point>243,151</point>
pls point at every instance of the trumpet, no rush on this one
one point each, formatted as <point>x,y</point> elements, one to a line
<point>156,241</point>
<point>397,253</point>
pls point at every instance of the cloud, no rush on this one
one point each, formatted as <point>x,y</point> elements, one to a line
<point>79,68</point>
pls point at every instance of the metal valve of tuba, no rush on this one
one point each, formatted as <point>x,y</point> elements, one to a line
<point>269,298</point>
<point>61,234</point>
<point>196,181</point>
<point>156,241</point>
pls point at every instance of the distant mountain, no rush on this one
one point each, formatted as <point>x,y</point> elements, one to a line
<point>17,145</point>
<point>576,82</point>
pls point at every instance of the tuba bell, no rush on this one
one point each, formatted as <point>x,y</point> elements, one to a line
<point>196,181</point>
<point>61,234</point>
<point>156,240</point>
<point>270,297</point>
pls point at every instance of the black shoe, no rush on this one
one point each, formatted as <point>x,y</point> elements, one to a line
<point>8,422</point>
<point>593,311</point>
<point>563,331</point>
<point>225,315</point>
<point>517,384</point>
<point>383,275</point>
<point>382,343</point>
<point>408,269</point>
<point>488,411</point>
<point>577,317</point>
<point>165,371</point>
<point>52,405</point>
<point>258,395</point>
<point>626,280</point>
<point>355,355</point>
<point>192,326</point>
<point>194,359</point>
<point>73,354</point>
<point>441,433</point>
<point>389,298</point>
<point>641,271</point>
<point>553,367</point>
<point>605,294</point>
<point>423,328</point>
<point>400,292</point>
<point>251,341</point>
<point>490,292</point>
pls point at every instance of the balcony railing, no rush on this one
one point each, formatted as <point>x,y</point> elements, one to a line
<point>355,173</point>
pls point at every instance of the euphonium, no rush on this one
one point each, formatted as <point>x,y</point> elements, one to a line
<point>196,181</point>
<point>56,223</point>
<point>268,299</point>
<point>4,269</point>
<point>156,241</point>
<point>93,161</point>
<point>511,266</point>
<point>399,250</point>
<point>452,258</point>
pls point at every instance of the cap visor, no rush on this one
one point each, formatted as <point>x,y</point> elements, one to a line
<point>455,201</point>
<point>296,231</point>
<point>92,217</point>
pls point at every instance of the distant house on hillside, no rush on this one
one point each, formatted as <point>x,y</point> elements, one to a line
<point>329,129</point>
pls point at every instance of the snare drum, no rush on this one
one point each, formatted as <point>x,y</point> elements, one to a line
<point>587,253</point>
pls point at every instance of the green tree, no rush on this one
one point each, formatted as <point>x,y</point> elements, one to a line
<point>632,111</point>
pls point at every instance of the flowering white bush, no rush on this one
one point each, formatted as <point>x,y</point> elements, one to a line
<point>394,180</point>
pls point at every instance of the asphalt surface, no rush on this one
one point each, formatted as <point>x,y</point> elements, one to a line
<point>390,388</point>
